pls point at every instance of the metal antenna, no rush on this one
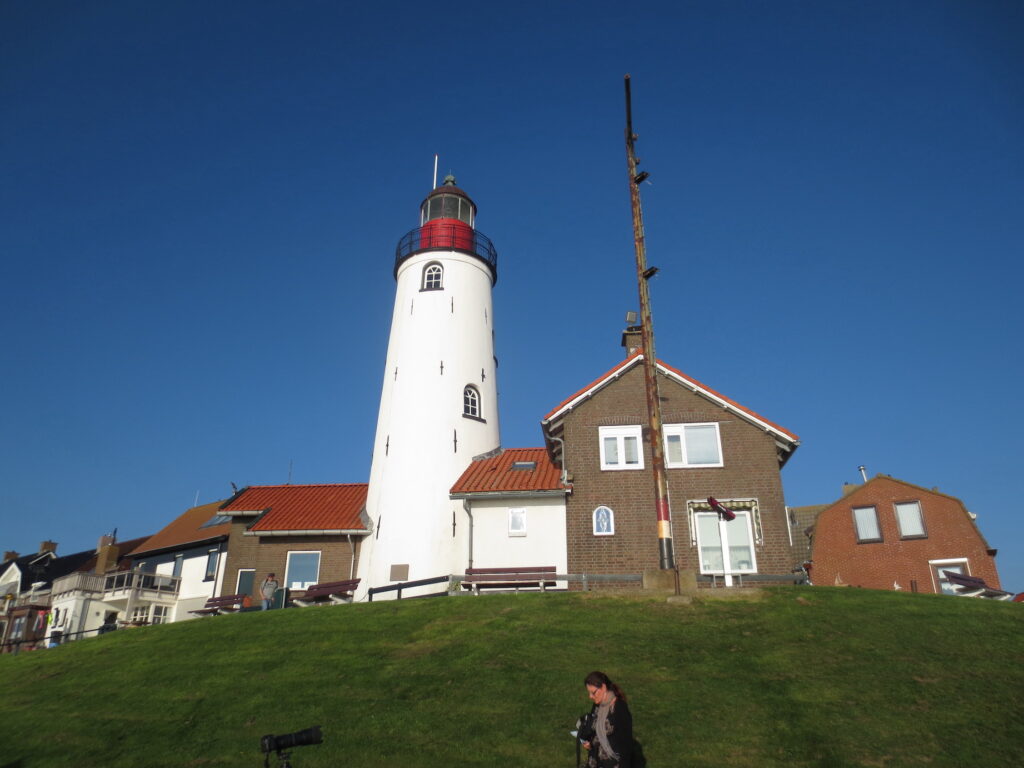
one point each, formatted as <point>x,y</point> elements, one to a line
<point>666,556</point>
<point>435,171</point>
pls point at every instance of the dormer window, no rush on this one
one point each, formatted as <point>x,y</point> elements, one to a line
<point>433,275</point>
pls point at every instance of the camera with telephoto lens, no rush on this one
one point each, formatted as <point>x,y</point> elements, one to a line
<point>585,727</point>
<point>285,741</point>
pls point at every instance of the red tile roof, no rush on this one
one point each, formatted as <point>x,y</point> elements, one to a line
<point>496,475</point>
<point>187,529</point>
<point>687,381</point>
<point>328,507</point>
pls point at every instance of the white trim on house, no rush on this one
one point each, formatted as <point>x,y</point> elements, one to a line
<point>510,494</point>
<point>783,439</point>
<point>312,532</point>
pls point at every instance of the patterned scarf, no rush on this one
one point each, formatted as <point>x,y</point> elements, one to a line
<point>603,710</point>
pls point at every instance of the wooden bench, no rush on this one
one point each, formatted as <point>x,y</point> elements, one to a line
<point>223,604</point>
<point>327,593</point>
<point>538,576</point>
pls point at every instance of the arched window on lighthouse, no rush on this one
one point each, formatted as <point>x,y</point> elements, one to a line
<point>433,274</point>
<point>471,403</point>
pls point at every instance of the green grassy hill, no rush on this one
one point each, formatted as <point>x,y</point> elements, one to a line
<point>800,677</point>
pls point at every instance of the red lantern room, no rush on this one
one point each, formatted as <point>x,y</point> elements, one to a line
<point>447,223</point>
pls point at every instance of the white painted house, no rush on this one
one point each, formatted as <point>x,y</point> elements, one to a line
<point>514,503</point>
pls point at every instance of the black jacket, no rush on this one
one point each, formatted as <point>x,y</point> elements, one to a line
<point>620,736</point>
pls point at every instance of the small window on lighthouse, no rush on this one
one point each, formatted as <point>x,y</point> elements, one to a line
<point>471,402</point>
<point>432,275</point>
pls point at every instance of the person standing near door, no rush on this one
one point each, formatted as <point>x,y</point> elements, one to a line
<point>268,589</point>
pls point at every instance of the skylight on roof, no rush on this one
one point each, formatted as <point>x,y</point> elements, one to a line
<point>521,466</point>
<point>216,520</point>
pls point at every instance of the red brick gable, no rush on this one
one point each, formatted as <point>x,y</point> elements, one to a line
<point>950,533</point>
<point>328,508</point>
<point>496,474</point>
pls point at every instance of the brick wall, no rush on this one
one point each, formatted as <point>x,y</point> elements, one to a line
<point>751,471</point>
<point>269,554</point>
<point>950,534</point>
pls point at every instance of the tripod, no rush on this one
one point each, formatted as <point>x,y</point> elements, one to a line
<point>283,760</point>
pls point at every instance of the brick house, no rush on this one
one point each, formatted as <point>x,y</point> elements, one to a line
<point>713,447</point>
<point>891,534</point>
<point>305,534</point>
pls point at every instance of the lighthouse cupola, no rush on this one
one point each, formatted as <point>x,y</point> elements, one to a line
<point>448,202</point>
<point>448,223</point>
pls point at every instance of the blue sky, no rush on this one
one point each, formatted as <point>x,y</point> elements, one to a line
<point>199,204</point>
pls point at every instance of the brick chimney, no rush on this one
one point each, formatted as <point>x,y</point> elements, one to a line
<point>10,555</point>
<point>107,555</point>
<point>632,340</point>
<point>48,546</point>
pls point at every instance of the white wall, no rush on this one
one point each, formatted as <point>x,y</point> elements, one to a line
<point>543,544</point>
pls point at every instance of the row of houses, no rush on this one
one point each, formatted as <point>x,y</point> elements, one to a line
<point>581,502</point>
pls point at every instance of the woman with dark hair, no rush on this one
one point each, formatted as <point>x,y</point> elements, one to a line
<point>611,744</point>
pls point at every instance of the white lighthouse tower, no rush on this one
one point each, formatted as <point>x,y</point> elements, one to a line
<point>439,401</point>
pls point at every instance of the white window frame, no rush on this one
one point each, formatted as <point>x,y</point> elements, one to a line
<point>747,515</point>
<point>159,614</point>
<point>679,430</point>
<point>856,526</point>
<point>212,565</point>
<point>472,403</point>
<point>288,564</point>
<point>619,434</point>
<point>936,567</point>
<point>611,521</point>
<point>140,613</point>
<point>238,579</point>
<point>920,517</point>
<point>430,271</point>
<point>517,513</point>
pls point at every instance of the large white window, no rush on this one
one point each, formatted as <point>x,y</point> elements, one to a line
<point>865,523</point>
<point>725,547</point>
<point>303,570</point>
<point>692,445</point>
<point>621,447</point>
<point>159,614</point>
<point>910,519</point>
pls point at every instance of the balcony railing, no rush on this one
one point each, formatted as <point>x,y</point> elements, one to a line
<point>436,236</point>
<point>78,582</point>
<point>126,581</point>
